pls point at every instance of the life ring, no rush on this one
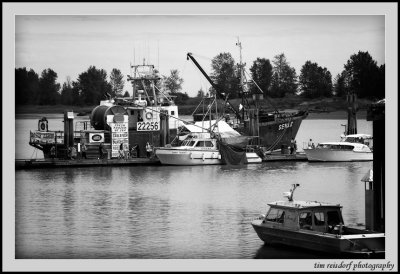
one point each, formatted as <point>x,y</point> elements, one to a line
<point>149,115</point>
<point>43,126</point>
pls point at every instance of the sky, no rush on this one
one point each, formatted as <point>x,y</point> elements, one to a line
<point>70,44</point>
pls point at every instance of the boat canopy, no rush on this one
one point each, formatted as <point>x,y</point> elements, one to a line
<point>221,127</point>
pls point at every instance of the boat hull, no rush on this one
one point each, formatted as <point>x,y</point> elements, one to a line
<point>330,155</point>
<point>188,157</point>
<point>179,157</point>
<point>367,244</point>
<point>277,133</point>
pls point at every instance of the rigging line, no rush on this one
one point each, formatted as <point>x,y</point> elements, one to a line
<point>185,122</point>
<point>33,153</point>
<point>277,140</point>
<point>162,93</point>
<point>276,110</point>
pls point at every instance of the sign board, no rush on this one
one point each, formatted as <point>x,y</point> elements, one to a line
<point>43,137</point>
<point>96,137</point>
<point>119,135</point>
<point>148,126</point>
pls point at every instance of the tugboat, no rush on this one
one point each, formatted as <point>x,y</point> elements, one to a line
<point>130,121</point>
<point>316,226</point>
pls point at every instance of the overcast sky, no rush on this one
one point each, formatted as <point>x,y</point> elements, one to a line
<point>70,44</point>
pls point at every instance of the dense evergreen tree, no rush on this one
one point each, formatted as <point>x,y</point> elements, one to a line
<point>117,82</point>
<point>93,86</point>
<point>224,74</point>
<point>315,81</point>
<point>340,87</point>
<point>48,88</point>
<point>173,83</point>
<point>261,73</point>
<point>26,86</point>
<point>364,76</point>
<point>284,78</point>
<point>70,94</point>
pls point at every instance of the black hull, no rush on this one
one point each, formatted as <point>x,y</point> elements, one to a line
<point>278,132</point>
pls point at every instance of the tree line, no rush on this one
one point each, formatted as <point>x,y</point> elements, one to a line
<point>90,87</point>
<point>277,78</point>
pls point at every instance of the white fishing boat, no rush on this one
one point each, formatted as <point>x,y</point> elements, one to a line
<point>196,149</point>
<point>317,226</point>
<point>202,148</point>
<point>354,147</point>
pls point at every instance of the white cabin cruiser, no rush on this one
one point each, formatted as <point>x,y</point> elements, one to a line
<point>201,148</point>
<point>354,147</point>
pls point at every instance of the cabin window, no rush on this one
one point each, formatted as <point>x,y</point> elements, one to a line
<point>305,220</point>
<point>319,219</point>
<point>275,215</point>
<point>208,144</point>
<point>172,112</point>
<point>200,144</point>
<point>333,218</point>
<point>191,143</point>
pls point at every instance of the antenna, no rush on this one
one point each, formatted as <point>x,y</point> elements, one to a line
<point>289,194</point>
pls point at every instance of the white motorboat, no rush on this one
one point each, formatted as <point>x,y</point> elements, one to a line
<point>354,147</point>
<point>197,149</point>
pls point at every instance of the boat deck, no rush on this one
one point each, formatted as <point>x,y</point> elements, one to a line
<point>52,163</point>
<point>277,156</point>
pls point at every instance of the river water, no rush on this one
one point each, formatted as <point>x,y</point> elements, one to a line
<point>164,212</point>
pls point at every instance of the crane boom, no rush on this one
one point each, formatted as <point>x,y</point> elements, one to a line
<point>217,89</point>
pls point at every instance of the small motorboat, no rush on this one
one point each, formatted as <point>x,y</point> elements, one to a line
<point>355,147</point>
<point>197,149</point>
<point>316,226</point>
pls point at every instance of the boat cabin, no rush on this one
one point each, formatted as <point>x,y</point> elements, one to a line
<point>199,141</point>
<point>364,139</point>
<point>344,146</point>
<point>300,215</point>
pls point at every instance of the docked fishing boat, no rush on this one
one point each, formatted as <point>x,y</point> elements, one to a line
<point>316,226</point>
<point>272,129</point>
<point>150,115</point>
<point>204,148</point>
<point>354,147</point>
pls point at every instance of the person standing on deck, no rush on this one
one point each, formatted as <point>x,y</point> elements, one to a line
<point>84,149</point>
<point>53,152</point>
<point>148,149</point>
<point>292,146</point>
<point>101,151</point>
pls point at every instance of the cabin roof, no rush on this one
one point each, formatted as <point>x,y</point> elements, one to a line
<point>302,204</point>
<point>365,136</point>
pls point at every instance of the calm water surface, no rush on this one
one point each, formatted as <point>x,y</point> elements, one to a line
<point>164,212</point>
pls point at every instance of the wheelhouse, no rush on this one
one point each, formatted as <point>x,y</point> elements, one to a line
<point>305,216</point>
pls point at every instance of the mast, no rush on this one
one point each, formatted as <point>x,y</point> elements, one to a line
<point>241,71</point>
<point>217,89</point>
<point>351,113</point>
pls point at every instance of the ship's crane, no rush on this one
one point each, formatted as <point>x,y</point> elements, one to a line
<point>220,94</point>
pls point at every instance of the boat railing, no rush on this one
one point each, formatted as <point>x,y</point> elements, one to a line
<point>46,137</point>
